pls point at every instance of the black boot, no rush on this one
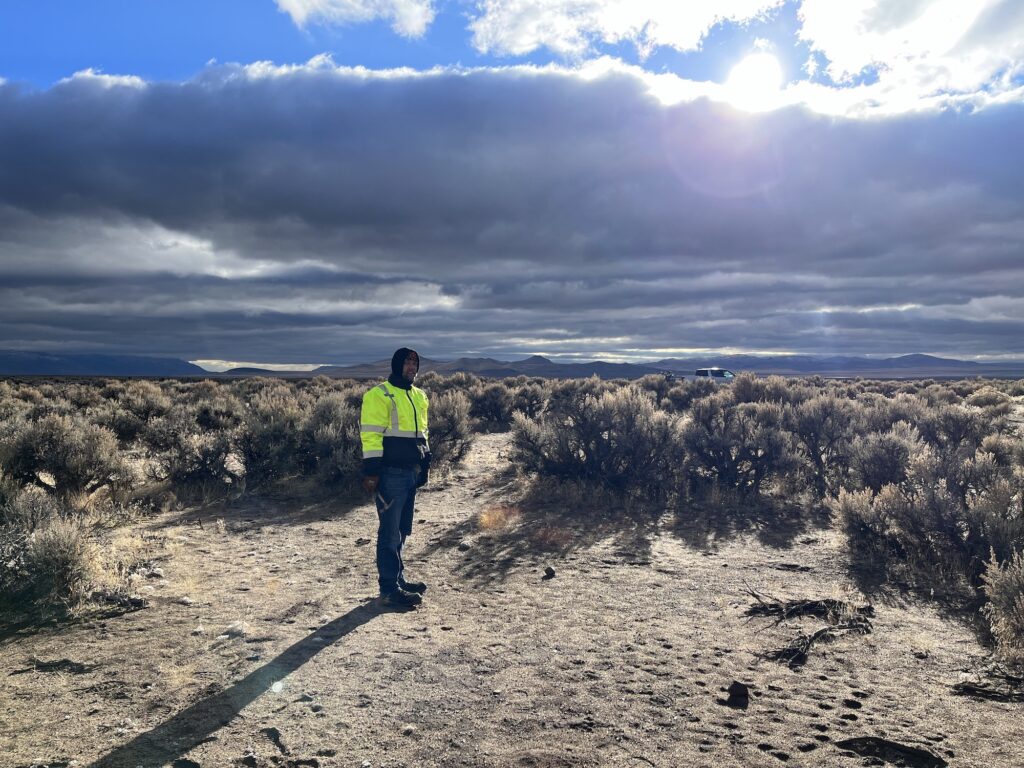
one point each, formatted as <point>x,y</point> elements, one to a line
<point>416,587</point>
<point>401,599</point>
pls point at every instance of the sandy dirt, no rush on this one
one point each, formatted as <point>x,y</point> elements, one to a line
<point>263,645</point>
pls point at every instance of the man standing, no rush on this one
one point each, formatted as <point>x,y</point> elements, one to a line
<point>396,458</point>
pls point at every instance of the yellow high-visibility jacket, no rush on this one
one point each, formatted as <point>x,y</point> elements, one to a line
<point>393,428</point>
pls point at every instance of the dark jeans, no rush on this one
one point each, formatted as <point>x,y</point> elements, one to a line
<point>396,496</point>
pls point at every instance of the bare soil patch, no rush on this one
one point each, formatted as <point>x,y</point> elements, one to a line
<point>263,645</point>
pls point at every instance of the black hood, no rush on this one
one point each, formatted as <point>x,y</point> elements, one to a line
<point>398,362</point>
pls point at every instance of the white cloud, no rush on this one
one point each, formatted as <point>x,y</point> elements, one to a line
<point>409,18</point>
<point>570,27</point>
<point>918,47</point>
<point>94,77</point>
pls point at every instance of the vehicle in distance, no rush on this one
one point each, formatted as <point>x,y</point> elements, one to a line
<point>714,373</point>
<point>717,375</point>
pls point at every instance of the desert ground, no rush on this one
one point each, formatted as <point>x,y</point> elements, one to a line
<point>262,644</point>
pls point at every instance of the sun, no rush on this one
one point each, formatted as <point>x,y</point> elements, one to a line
<point>755,83</point>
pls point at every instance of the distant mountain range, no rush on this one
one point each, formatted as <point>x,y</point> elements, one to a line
<point>52,364</point>
<point>906,366</point>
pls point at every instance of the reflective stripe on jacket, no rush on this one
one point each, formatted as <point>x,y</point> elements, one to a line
<point>393,427</point>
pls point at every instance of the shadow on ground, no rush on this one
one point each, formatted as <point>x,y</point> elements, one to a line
<point>704,524</point>
<point>888,580</point>
<point>194,725</point>
<point>299,503</point>
<point>548,518</point>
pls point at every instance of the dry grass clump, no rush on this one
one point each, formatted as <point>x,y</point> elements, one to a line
<point>498,517</point>
<point>49,555</point>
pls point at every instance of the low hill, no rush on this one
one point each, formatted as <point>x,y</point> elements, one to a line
<point>78,364</point>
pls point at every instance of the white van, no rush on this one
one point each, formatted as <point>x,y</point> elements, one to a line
<point>719,375</point>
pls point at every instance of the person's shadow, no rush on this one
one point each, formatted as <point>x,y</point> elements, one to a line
<point>192,726</point>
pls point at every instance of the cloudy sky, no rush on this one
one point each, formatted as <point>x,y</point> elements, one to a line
<point>313,181</point>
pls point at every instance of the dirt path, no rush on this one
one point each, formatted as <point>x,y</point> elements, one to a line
<point>264,646</point>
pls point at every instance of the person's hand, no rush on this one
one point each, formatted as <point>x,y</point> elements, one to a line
<point>370,483</point>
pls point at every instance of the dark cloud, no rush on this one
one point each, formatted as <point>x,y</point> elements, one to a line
<point>323,215</point>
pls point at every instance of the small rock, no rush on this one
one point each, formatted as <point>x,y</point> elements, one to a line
<point>408,730</point>
<point>549,573</point>
<point>248,760</point>
<point>739,695</point>
<point>463,546</point>
<point>198,630</point>
<point>362,542</point>
<point>186,600</point>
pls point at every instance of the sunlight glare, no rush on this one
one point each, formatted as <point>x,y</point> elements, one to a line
<point>755,83</point>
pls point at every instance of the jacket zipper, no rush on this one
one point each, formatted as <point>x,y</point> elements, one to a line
<point>415,416</point>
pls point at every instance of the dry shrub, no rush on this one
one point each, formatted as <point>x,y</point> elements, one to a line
<point>749,388</point>
<point>618,440</point>
<point>450,430</point>
<point>28,508</point>
<point>269,439</point>
<point>680,397</point>
<point>879,413</point>
<point>79,456</point>
<point>137,403</point>
<point>568,398</point>
<point>49,557</point>
<point>735,446</point>
<point>216,407</point>
<point>939,394</point>
<point>882,458</point>
<point>529,399</point>
<point>1004,449</point>
<point>954,427</point>
<point>491,406</point>
<point>995,509</point>
<point>61,562</point>
<point>436,384</point>
<point>987,397</point>
<point>331,442</point>
<point>1004,588</point>
<point>655,383</point>
<point>929,525</point>
<point>196,462</point>
<point>822,428</point>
